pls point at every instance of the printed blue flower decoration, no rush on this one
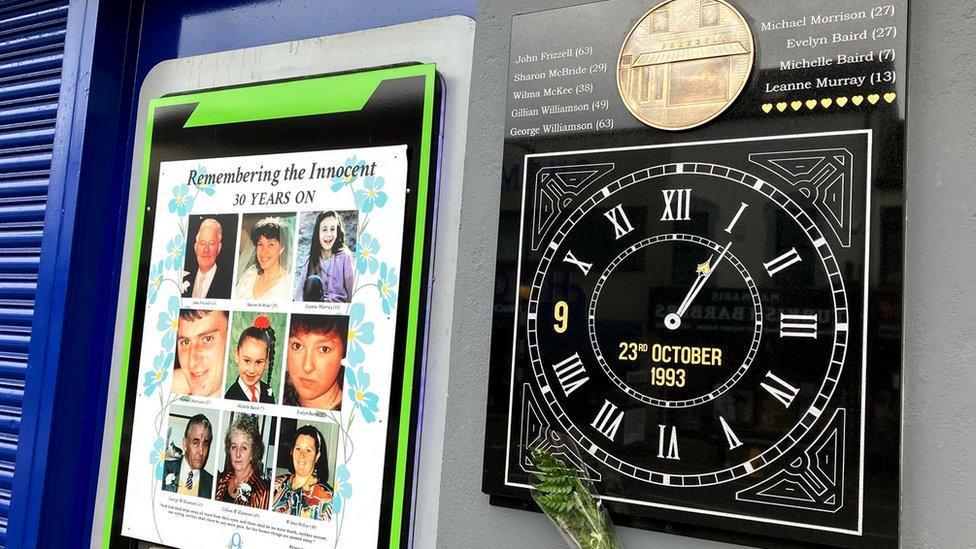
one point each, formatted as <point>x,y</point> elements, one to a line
<point>341,489</point>
<point>360,333</point>
<point>182,202</point>
<point>155,280</point>
<point>340,181</point>
<point>207,188</point>
<point>371,195</point>
<point>387,286</point>
<point>366,249</point>
<point>358,381</point>
<point>174,252</point>
<point>155,377</point>
<point>157,456</point>
<point>169,321</point>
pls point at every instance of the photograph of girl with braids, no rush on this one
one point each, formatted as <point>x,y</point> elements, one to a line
<point>256,351</point>
<point>316,351</point>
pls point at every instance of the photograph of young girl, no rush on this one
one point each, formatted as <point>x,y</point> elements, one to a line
<point>316,348</point>
<point>264,268</point>
<point>245,478</point>
<point>326,246</point>
<point>306,469</point>
<point>257,349</point>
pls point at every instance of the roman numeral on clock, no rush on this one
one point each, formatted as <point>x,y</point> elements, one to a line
<point>681,200</point>
<point>782,262</point>
<point>733,440</point>
<point>608,420</point>
<point>783,391</point>
<point>571,374</point>
<point>798,326</point>
<point>742,208</point>
<point>617,216</point>
<point>570,258</point>
<point>672,443</point>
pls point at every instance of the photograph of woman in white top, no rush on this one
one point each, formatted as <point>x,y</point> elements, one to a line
<point>267,272</point>
<point>328,274</point>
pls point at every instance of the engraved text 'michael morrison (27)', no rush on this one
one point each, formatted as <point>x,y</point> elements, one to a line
<point>810,20</point>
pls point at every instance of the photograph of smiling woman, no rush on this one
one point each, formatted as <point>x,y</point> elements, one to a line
<point>302,487</point>
<point>266,271</point>
<point>316,350</point>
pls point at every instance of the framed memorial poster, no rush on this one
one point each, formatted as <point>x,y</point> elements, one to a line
<point>699,277</point>
<point>274,337</point>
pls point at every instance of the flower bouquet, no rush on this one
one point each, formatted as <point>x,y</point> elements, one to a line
<point>571,503</point>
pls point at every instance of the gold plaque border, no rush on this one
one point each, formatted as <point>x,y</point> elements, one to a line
<point>752,65</point>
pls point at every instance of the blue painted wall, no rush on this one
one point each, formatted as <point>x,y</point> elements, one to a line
<point>57,462</point>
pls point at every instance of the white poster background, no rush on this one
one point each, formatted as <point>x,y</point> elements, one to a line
<point>183,521</point>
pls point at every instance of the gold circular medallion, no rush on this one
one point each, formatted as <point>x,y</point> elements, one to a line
<point>684,63</point>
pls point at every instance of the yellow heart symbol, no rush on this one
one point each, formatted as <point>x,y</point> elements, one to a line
<point>857,99</point>
<point>811,103</point>
<point>826,102</point>
<point>889,97</point>
<point>841,101</point>
<point>767,107</point>
<point>873,98</point>
<point>781,107</point>
<point>796,105</point>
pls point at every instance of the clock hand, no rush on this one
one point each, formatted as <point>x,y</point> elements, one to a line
<point>673,320</point>
<point>701,269</point>
<point>705,270</point>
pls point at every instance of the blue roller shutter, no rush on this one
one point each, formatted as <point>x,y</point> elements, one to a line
<point>31,51</point>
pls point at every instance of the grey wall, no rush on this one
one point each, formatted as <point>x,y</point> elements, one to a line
<point>939,447</point>
<point>939,477</point>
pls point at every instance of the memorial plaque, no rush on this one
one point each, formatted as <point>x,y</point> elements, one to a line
<point>270,378</point>
<point>699,271</point>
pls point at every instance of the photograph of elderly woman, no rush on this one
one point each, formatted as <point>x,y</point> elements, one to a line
<point>316,347</point>
<point>245,452</point>
<point>189,464</point>
<point>326,249</point>
<point>256,356</point>
<point>265,257</point>
<point>306,469</point>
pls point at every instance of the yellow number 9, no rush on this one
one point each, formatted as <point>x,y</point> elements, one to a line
<point>561,312</point>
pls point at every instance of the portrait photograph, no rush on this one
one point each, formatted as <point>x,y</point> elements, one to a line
<point>305,473</point>
<point>265,265</point>
<point>244,454</point>
<point>316,350</point>
<point>326,250</point>
<point>201,347</point>
<point>208,267</point>
<point>256,357</point>
<point>189,464</point>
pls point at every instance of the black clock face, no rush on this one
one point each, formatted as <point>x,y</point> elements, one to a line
<point>628,323</point>
<point>689,329</point>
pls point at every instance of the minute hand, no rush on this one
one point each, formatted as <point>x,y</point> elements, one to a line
<point>700,282</point>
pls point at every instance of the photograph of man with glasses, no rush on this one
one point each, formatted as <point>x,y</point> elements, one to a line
<point>208,271</point>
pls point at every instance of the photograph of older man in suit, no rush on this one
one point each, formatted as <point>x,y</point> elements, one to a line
<point>187,473</point>
<point>209,268</point>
